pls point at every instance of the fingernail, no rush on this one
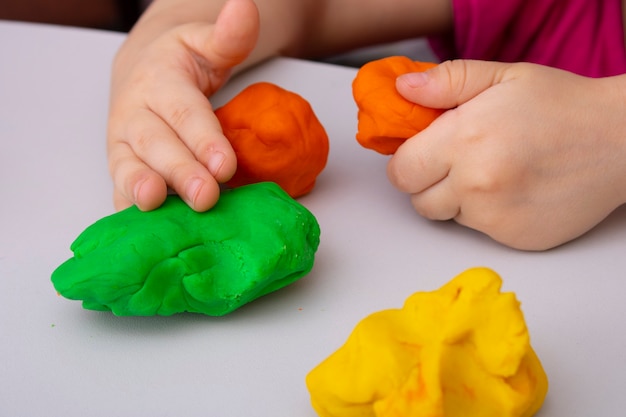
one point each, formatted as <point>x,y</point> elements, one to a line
<point>215,163</point>
<point>137,190</point>
<point>414,79</point>
<point>193,189</point>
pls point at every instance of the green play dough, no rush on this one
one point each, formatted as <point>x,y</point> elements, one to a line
<point>170,260</point>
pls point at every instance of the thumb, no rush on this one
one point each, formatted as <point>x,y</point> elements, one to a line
<point>450,83</point>
<point>236,30</point>
<point>231,39</point>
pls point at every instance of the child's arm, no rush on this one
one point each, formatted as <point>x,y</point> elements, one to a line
<point>532,156</point>
<point>162,131</point>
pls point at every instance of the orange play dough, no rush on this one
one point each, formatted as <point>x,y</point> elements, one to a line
<point>276,136</point>
<point>385,118</point>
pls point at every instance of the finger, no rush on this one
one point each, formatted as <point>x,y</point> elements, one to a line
<point>451,83</point>
<point>120,202</point>
<point>423,161</point>
<point>158,147</point>
<point>227,42</point>
<point>134,182</point>
<point>236,31</point>
<point>190,115</point>
<point>217,49</point>
<point>438,202</point>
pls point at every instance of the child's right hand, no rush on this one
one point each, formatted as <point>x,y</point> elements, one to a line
<point>162,130</point>
<point>530,155</point>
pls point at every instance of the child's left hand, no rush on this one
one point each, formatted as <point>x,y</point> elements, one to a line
<point>530,155</point>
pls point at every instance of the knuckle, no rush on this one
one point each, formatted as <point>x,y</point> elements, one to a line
<point>401,171</point>
<point>203,147</point>
<point>118,159</point>
<point>115,164</point>
<point>455,72</point>
<point>485,181</point>
<point>179,114</point>
<point>435,207</point>
<point>494,178</point>
<point>394,173</point>
<point>142,137</point>
<point>424,208</point>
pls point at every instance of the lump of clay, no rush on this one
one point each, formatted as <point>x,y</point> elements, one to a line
<point>276,136</point>
<point>256,240</point>
<point>463,350</point>
<point>385,118</point>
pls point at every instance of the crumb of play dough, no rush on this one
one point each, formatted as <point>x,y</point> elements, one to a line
<point>170,260</point>
<point>463,350</point>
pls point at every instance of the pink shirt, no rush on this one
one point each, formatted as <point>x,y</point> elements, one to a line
<point>581,36</point>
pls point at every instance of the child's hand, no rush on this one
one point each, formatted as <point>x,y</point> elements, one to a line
<point>162,131</point>
<point>529,155</point>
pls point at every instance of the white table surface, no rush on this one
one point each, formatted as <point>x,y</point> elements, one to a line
<point>57,359</point>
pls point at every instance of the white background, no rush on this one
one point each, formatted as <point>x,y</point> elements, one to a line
<point>57,359</point>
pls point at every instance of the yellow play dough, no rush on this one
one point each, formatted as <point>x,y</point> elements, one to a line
<point>462,350</point>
